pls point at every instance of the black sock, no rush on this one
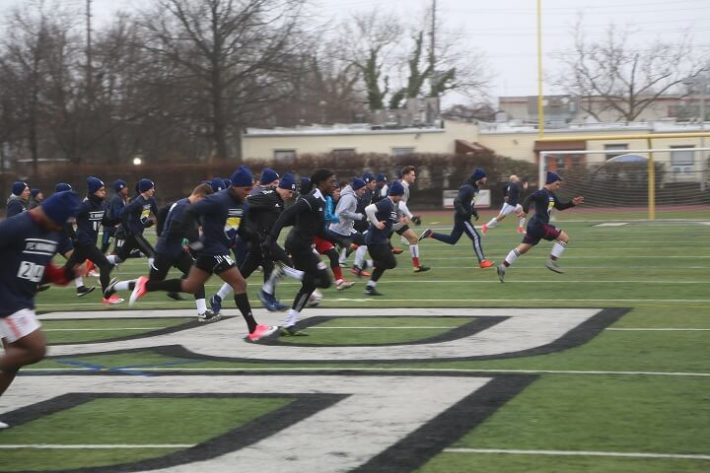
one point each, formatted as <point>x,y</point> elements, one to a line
<point>169,285</point>
<point>242,302</point>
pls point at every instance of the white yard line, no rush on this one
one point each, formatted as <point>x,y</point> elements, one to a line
<point>98,329</point>
<point>49,446</point>
<point>400,327</point>
<point>660,329</point>
<point>398,370</point>
<point>581,453</point>
<point>141,308</point>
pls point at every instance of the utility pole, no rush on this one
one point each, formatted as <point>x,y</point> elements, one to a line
<point>89,71</point>
<point>432,57</point>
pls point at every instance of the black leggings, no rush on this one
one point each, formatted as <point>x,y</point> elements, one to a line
<point>93,254</point>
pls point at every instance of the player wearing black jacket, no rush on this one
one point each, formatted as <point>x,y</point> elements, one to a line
<point>307,216</point>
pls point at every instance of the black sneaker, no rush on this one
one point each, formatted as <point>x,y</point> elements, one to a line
<point>81,291</point>
<point>371,291</point>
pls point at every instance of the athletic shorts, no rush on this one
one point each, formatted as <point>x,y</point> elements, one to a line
<point>322,245</point>
<point>508,209</point>
<point>17,325</point>
<point>215,264</point>
<point>400,228</point>
<point>535,233</point>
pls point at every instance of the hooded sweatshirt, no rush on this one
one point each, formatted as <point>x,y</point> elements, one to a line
<point>346,211</point>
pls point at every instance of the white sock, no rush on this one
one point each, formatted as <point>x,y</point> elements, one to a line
<point>150,264</point>
<point>343,256</point>
<point>293,273</point>
<point>113,259</point>
<point>360,256</point>
<point>557,249</point>
<point>123,285</point>
<point>492,223</point>
<point>224,291</point>
<point>371,283</point>
<point>78,281</point>
<point>512,256</point>
<point>414,250</point>
<point>201,306</point>
<point>291,318</point>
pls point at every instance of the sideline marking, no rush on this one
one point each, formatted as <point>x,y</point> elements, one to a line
<point>581,453</point>
<point>612,224</point>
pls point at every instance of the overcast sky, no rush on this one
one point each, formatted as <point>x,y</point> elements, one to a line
<point>505,30</point>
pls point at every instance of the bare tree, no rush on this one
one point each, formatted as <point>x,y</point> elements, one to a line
<point>369,42</point>
<point>611,76</point>
<point>229,54</point>
<point>435,63</point>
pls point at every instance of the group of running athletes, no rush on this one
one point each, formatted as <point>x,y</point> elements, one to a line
<point>199,233</point>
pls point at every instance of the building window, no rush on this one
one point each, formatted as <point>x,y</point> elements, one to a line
<point>343,152</point>
<point>621,147</point>
<point>402,151</point>
<point>284,156</point>
<point>682,157</point>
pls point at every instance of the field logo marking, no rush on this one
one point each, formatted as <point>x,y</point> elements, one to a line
<point>494,333</point>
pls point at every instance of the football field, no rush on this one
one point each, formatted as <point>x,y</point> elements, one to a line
<point>604,368</point>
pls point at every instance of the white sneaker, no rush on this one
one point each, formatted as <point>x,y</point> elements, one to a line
<point>553,266</point>
<point>3,425</point>
<point>341,284</point>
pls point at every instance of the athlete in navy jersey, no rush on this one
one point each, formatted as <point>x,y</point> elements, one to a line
<point>511,203</point>
<point>220,215</point>
<point>464,209</point>
<point>264,209</point>
<point>307,216</point>
<point>135,218</point>
<point>382,215</point>
<point>115,210</point>
<point>27,244</point>
<point>90,217</point>
<point>170,251</point>
<point>539,227</point>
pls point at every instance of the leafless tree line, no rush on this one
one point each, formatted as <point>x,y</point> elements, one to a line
<point>182,79</point>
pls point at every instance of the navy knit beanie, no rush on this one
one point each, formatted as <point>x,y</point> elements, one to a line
<point>478,174</point>
<point>61,205</point>
<point>145,185</point>
<point>62,186</point>
<point>268,176</point>
<point>396,188</point>
<point>18,187</point>
<point>288,181</point>
<point>357,183</point>
<point>93,184</point>
<point>242,177</point>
